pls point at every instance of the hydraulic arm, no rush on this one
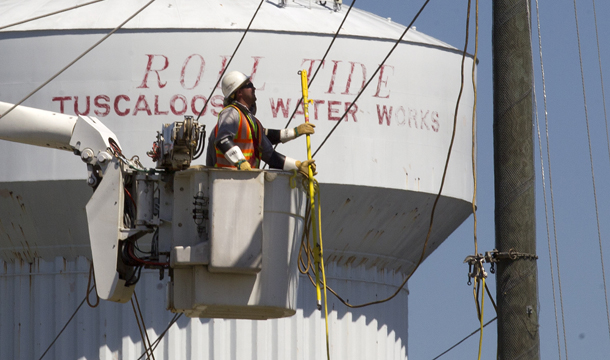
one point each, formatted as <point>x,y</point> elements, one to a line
<point>121,208</point>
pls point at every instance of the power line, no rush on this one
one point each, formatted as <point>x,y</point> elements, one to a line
<point>77,59</point>
<point>372,76</point>
<point>156,342</point>
<point>548,152</point>
<point>321,63</point>
<point>142,326</point>
<point>599,235</point>
<point>601,75</point>
<point>317,69</point>
<point>466,338</point>
<point>67,323</point>
<point>49,14</point>
<point>601,78</point>
<point>438,195</point>
<point>229,62</point>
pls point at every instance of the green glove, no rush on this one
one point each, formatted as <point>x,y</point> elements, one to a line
<point>243,165</point>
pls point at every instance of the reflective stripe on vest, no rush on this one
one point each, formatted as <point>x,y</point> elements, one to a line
<point>248,144</point>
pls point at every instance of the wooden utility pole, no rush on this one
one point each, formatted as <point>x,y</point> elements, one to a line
<point>517,272</point>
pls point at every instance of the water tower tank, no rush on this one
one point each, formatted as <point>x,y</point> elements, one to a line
<point>379,171</point>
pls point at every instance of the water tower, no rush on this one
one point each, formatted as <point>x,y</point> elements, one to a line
<point>379,172</point>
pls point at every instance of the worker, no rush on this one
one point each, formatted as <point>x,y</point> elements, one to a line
<point>240,141</point>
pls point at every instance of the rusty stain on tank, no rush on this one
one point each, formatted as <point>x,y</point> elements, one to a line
<point>8,236</point>
<point>415,213</point>
<point>350,260</point>
<point>367,234</point>
<point>378,235</point>
<point>16,255</point>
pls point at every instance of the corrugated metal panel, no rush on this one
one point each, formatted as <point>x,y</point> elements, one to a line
<point>36,300</point>
<point>211,14</point>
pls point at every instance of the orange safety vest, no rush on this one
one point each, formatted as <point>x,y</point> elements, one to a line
<point>248,141</point>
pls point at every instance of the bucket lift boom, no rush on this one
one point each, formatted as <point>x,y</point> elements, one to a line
<point>217,269</point>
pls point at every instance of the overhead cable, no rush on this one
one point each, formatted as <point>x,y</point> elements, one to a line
<point>92,276</point>
<point>229,62</point>
<point>372,76</point>
<point>66,325</point>
<point>599,235</point>
<point>546,212</point>
<point>49,14</point>
<point>142,326</point>
<point>77,58</point>
<point>321,63</point>
<point>601,76</point>
<point>464,339</point>
<point>438,196</point>
<point>158,340</point>
<point>317,69</point>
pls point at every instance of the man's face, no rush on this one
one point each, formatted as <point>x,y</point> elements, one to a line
<point>247,94</point>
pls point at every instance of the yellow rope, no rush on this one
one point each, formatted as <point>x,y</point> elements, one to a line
<point>474,124</point>
<point>481,319</point>
<point>316,222</point>
<point>323,276</point>
<point>293,179</point>
<point>477,284</point>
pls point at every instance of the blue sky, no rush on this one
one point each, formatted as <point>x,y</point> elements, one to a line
<point>441,305</point>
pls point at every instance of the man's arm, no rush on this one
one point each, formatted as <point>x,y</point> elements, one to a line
<point>285,135</point>
<point>279,161</point>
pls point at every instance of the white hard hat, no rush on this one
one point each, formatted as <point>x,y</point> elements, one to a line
<point>232,81</point>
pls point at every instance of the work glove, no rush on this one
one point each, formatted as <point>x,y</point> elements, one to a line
<point>244,165</point>
<point>304,167</point>
<point>304,129</point>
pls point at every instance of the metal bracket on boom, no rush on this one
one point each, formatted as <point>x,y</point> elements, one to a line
<point>178,144</point>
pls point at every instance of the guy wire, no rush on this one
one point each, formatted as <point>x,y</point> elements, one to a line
<point>599,235</point>
<point>229,62</point>
<point>49,14</point>
<point>551,191</point>
<point>77,59</point>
